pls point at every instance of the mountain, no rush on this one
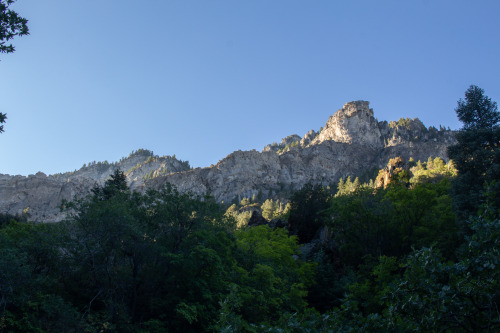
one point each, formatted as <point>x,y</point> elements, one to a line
<point>352,143</point>
<point>40,195</point>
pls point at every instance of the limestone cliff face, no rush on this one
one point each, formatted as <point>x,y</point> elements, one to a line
<point>351,143</point>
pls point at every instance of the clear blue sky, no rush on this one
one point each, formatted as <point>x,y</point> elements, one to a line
<point>200,79</point>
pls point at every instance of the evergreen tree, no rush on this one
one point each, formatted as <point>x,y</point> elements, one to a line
<point>477,111</point>
<point>117,183</point>
<point>477,153</point>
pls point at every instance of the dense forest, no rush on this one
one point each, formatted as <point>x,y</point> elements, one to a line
<point>414,249</point>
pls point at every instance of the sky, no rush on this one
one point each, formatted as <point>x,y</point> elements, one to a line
<point>200,79</point>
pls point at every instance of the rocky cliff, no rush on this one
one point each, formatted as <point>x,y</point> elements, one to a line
<point>40,195</point>
<point>351,143</point>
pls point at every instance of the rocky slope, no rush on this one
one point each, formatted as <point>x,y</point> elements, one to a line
<point>40,195</point>
<point>351,143</point>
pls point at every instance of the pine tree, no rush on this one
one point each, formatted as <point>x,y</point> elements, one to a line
<point>477,153</point>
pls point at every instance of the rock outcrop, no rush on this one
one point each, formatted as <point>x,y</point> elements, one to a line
<point>351,143</point>
<point>354,123</point>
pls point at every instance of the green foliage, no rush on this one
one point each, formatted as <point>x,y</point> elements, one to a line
<point>432,171</point>
<point>477,111</point>
<point>137,257</point>
<point>461,296</point>
<point>402,122</point>
<point>269,278</point>
<point>153,262</point>
<point>389,222</point>
<point>308,211</point>
<point>388,259</point>
<point>360,226</point>
<point>245,202</point>
<point>241,216</point>
<point>6,218</point>
<point>141,152</point>
<point>116,184</point>
<point>11,25</point>
<point>288,147</point>
<point>29,296</point>
<point>273,209</point>
<point>477,153</point>
<point>137,166</point>
<point>348,187</point>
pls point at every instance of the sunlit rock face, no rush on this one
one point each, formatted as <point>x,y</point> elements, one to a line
<point>246,173</point>
<point>354,123</point>
<point>352,143</point>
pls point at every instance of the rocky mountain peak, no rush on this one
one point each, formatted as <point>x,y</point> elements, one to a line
<point>351,143</point>
<point>354,123</point>
<point>351,108</point>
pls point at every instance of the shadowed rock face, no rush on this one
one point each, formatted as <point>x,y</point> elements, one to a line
<point>40,195</point>
<point>351,142</point>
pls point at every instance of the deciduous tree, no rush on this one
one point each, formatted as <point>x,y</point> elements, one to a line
<point>11,25</point>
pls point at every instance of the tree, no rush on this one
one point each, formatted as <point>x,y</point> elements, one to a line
<point>159,261</point>
<point>3,116</point>
<point>452,297</point>
<point>117,183</point>
<point>477,153</point>
<point>269,279</point>
<point>308,211</point>
<point>11,25</point>
<point>477,111</point>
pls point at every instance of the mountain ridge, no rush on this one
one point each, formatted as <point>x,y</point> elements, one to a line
<point>351,142</point>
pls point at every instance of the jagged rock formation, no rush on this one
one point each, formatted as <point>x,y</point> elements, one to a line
<point>354,123</point>
<point>395,166</point>
<point>351,143</point>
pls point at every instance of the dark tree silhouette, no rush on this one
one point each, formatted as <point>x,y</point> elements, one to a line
<point>2,120</point>
<point>11,25</point>
<point>477,152</point>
